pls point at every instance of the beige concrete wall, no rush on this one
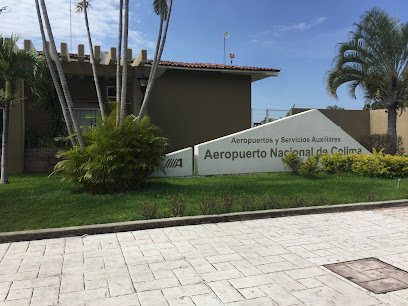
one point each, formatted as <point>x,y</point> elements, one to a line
<point>379,124</point>
<point>192,107</point>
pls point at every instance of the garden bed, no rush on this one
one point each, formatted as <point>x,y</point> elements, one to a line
<point>34,201</point>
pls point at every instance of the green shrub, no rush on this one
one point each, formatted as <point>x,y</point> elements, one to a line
<point>380,165</point>
<point>208,205</point>
<point>382,142</point>
<point>115,159</point>
<point>227,203</point>
<point>310,167</point>
<point>178,205</point>
<point>335,163</point>
<point>149,210</point>
<point>292,162</point>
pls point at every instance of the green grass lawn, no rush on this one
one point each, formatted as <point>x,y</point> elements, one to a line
<point>34,201</point>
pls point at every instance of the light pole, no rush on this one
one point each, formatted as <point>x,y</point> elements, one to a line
<point>226,35</point>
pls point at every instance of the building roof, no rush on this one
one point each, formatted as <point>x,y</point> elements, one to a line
<point>256,73</point>
<point>213,66</point>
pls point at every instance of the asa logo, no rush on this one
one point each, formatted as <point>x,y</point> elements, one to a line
<point>173,163</point>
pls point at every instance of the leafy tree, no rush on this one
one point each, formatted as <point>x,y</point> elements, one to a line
<point>164,10</point>
<point>375,60</point>
<point>335,107</point>
<point>83,6</point>
<point>15,65</point>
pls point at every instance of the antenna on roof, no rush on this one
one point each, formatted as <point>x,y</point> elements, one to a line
<point>226,35</point>
<point>70,24</point>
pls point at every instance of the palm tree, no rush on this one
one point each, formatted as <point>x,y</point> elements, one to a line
<point>125,64</point>
<point>375,60</point>
<point>54,77</point>
<point>118,80</point>
<point>335,107</point>
<point>161,8</point>
<point>61,75</point>
<point>83,6</point>
<point>14,65</point>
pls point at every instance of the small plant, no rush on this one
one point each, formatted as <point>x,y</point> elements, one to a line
<point>208,205</point>
<point>178,205</point>
<point>292,162</point>
<point>149,210</point>
<point>310,167</point>
<point>298,201</point>
<point>247,203</point>
<point>227,203</point>
<point>371,197</point>
<point>270,202</point>
<point>322,201</point>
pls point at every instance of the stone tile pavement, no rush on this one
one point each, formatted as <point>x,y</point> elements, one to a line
<point>258,262</point>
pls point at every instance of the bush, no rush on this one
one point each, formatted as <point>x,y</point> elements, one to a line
<point>335,163</point>
<point>115,159</point>
<point>178,205</point>
<point>208,205</point>
<point>149,210</point>
<point>227,203</point>
<point>310,167</point>
<point>292,162</point>
<point>382,142</point>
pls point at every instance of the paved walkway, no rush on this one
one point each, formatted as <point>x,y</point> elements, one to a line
<point>259,262</point>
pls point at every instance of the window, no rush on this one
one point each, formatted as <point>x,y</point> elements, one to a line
<point>111,93</point>
<point>87,116</point>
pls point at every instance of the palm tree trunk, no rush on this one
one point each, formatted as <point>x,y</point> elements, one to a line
<point>143,108</point>
<point>392,127</point>
<point>118,80</point>
<point>63,80</point>
<point>4,145</point>
<point>125,64</point>
<point>156,61</point>
<point>92,56</point>
<point>54,77</point>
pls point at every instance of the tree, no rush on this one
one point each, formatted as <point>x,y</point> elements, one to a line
<point>54,77</point>
<point>62,78</point>
<point>335,107</point>
<point>83,6</point>
<point>14,65</point>
<point>160,8</point>
<point>375,60</point>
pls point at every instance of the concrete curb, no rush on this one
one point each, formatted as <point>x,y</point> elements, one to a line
<point>190,220</point>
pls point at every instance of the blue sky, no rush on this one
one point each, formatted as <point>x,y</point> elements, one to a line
<point>299,37</point>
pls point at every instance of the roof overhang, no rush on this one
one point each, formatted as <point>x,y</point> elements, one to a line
<point>255,75</point>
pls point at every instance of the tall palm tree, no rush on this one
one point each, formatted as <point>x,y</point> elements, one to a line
<point>83,6</point>
<point>375,60</point>
<point>118,80</point>
<point>161,8</point>
<point>14,65</point>
<point>61,75</point>
<point>54,77</point>
<point>125,64</point>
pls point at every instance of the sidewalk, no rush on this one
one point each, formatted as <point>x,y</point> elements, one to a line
<point>259,262</point>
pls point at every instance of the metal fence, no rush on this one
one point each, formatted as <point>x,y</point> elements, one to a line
<point>261,116</point>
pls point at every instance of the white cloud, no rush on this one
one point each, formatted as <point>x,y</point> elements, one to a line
<point>103,19</point>
<point>300,27</point>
